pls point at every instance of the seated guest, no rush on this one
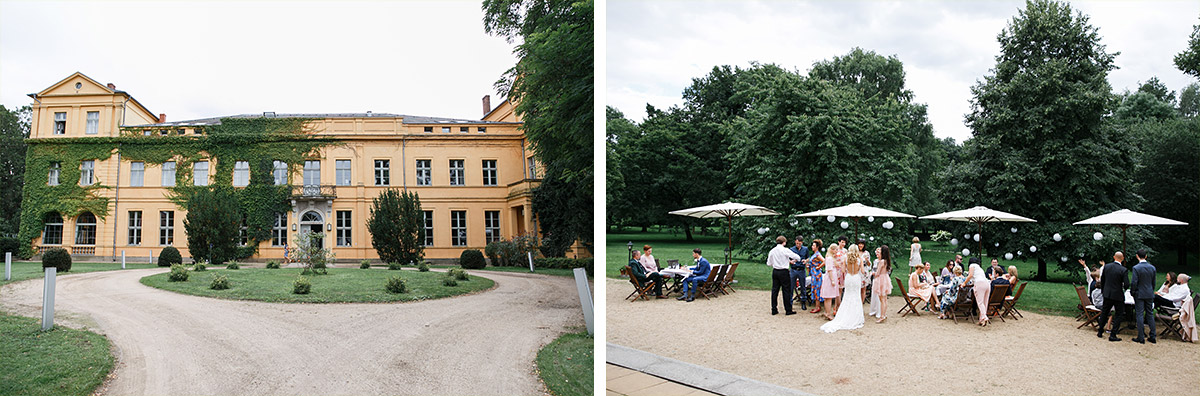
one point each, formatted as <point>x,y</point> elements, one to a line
<point>1001,280</point>
<point>639,272</point>
<point>1175,295</point>
<point>995,271</point>
<point>648,261</point>
<point>1166,286</point>
<point>951,294</point>
<point>699,275</point>
<point>1092,281</point>
<point>944,279</point>
<point>921,285</point>
<point>1012,278</point>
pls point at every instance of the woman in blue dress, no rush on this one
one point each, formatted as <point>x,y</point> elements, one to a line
<point>816,268</point>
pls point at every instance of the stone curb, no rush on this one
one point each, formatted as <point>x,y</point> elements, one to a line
<point>714,381</point>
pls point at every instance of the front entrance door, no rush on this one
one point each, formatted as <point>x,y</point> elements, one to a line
<point>312,222</point>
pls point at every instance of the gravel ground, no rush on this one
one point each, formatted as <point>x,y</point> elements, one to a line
<point>168,343</point>
<point>913,355</point>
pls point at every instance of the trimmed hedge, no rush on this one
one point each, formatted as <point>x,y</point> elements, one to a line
<point>169,256</point>
<point>471,259</point>
<point>563,262</point>
<point>57,258</point>
<point>10,245</point>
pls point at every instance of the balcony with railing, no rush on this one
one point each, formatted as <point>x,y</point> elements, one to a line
<point>314,192</point>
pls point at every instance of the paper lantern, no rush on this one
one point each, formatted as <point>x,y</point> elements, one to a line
<point>1063,259</point>
<point>967,236</point>
<point>954,241</point>
<point>809,221</point>
<point>966,252</point>
<point>1057,237</point>
<point>1008,256</point>
<point>997,244</point>
<point>976,237</point>
<point>1019,252</point>
<point>1033,249</point>
<point>831,218</point>
<point>1097,236</point>
<point>872,239</point>
<point>870,219</point>
<point>888,225</point>
<point>1014,230</point>
<point>763,230</point>
<point>793,222</point>
<point>845,225</point>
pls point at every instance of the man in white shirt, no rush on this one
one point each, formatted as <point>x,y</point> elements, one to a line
<point>1175,295</point>
<point>780,259</point>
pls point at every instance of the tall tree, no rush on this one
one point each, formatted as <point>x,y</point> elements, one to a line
<point>1040,146</point>
<point>1168,172</point>
<point>14,129</point>
<point>1189,100</point>
<point>1189,60</point>
<point>1160,91</point>
<point>619,129</point>
<point>397,227</point>
<point>212,224</point>
<point>1141,106</point>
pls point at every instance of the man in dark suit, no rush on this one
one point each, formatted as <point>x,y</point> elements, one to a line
<point>639,272</point>
<point>699,275</point>
<point>798,271</point>
<point>1114,281</point>
<point>1142,289</point>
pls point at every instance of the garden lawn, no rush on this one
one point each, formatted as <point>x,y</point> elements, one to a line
<point>62,361</point>
<point>565,364</point>
<point>1056,297</point>
<point>341,285</point>
<point>567,272</point>
<point>33,269</point>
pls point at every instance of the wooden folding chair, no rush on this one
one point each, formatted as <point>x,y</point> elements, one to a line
<point>1010,304</point>
<point>996,302</point>
<point>712,283</point>
<point>1091,314</point>
<point>962,304</point>
<point>1168,318</point>
<point>909,306</point>
<point>726,282</point>
<point>640,290</point>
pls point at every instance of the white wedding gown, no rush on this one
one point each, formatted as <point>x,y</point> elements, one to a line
<point>850,311</point>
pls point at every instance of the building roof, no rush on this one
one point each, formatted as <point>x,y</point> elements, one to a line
<point>407,119</point>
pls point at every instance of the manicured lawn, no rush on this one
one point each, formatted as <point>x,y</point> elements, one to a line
<point>340,285</point>
<point>30,269</point>
<point>565,364</point>
<point>62,361</point>
<point>524,270</point>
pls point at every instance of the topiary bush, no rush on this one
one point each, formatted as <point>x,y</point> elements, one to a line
<point>233,265</point>
<point>202,266</point>
<point>458,274</point>
<point>57,258</point>
<point>394,266</point>
<point>179,273</point>
<point>272,264</point>
<point>169,256</point>
<point>423,267</point>
<point>301,286</point>
<point>449,281</point>
<point>365,264</point>
<point>395,284</point>
<point>471,259</point>
<point>219,282</point>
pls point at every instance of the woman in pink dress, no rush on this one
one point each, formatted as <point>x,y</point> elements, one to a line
<point>829,286</point>
<point>881,287</point>
<point>920,284</point>
<point>982,288</point>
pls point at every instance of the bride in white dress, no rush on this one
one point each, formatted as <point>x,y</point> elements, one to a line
<point>850,311</point>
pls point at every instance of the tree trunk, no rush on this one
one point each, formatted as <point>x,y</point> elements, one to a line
<point>1041,275</point>
<point>688,230</point>
<point>643,228</point>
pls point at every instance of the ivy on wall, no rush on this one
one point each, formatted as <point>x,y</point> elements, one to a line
<point>259,141</point>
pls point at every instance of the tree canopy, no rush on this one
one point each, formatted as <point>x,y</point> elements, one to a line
<point>14,129</point>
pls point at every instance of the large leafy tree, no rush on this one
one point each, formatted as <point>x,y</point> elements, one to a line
<point>14,129</point>
<point>1189,60</point>
<point>552,87</point>
<point>1189,100</point>
<point>1168,172</point>
<point>212,224</point>
<point>1040,144</point>
<point>397,227</point>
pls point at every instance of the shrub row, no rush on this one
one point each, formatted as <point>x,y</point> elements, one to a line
<point>563,262</point>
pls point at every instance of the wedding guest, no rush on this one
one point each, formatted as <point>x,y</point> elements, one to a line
<point>829,286</point>
<point>1113,282</point>
<point>914,253</point>
<point>1166,286</point>
<point>1092,280</point>
<point>1141,287</point>
<point>951,294</point>
<point>982,287</point>
<point>816,271</point>
<point>920,284</point>
<point>864,264</point>
<point>780,259</point>
<point>882,285</point>
<point>840,263</point>
<point>1001,280</point>
<point>948,271</point>
<point>648,261</point>
<point>995,270</point>
<point>699,275</point>
<point>639,272</point>
<point>1175,295</point>
<point>798,270</point>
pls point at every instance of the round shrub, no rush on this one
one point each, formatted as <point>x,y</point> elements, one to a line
<point>178,273</point>
<point>272,264</point>
<point>394,266</point>
<point>233,265</point>
<point>202,266</point>
<point>365,264</point>
<point>57,258</point>
<point>395,284</point>
<point>301,286</point>
<point>423,267</point>
<point>449,281</point>
<point>457,274</point>
<point>471,259</point>
<point>219,282</point>
<point>169,256</point>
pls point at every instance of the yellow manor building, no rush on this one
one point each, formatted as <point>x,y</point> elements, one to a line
<point>473,177</point>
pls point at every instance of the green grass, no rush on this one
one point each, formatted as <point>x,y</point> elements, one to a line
<point>1055,297</point>
<point>339,286</point>
<point>565,364</point>
<point>33,269</point>
<point>62,361</point>
<point>567,272</point>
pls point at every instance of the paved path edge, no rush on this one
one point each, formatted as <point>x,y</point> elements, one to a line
<point>705,378</point>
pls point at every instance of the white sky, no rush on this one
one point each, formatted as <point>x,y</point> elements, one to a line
<point>655,48</point>
<point>213,58</point>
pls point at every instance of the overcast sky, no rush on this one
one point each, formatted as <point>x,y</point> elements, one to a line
<point>655,48</point>
<point>204,59</point>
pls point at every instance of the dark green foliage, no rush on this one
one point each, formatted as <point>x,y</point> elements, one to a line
<point>564,263</point>
<point>58,258</point>
<point>179,273</point>
<point>397,227</point>
<point>301,286</point>
<point>449,281</point>
<point>507,253</point>
<point>201,266</point>
<point>471,259</point>
<point>220,282</point>
<point>396,284</point>
<point>365,264</point>
<point>1189,100</point>
<point>1169,173</point>
<point>457,274</point>
<point>557,203</point>
<point>394,266</point>
<point>14,129</point>
<point>233,265</point>
<point>169,256</point>
<point>272,264</point>
<point>1189,60</point>
<point>212,224</point>
<point>10,245</point>
<point>1142,106</point>
<point>423,267</point>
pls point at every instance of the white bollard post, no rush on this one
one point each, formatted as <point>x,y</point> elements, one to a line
<point>585,297</point>
<point>530,255</point>
<point>122,259</point>
<point>48,298</point>
<point>7,266</point>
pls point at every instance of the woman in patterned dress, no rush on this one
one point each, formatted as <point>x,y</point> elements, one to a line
<point>951,294</point>
<point>816,270</point>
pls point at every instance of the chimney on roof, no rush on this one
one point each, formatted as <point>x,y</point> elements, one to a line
<point>112,86</point>
<point>162,117</point>
<point>487,104</point>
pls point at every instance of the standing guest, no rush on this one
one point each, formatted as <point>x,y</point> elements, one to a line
<point>864,263</point>
<point>882,285</point>
<point>920,284</point>
<point>816,270</point>
<point>1114,281</point>
<point>780,259</point>
<point>1141,287</point>
<point>798,270</point>
<point>951,294</point>
<point>1175,295</point>
<point>699,275</point>
<point>829,287</point>
<point>995,270</point>
<point>1166,286</point>
<point>839,261</point>
<point>982,287</point>
<point>914,253</point>
<point>642,276</point>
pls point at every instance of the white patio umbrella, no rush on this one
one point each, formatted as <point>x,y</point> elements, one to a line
<point>855,211</point>
<point>979,215</point>
<point>1124,218</point>
<point>728,210</point>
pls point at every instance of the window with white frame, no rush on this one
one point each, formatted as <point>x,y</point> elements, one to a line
<point>383,172</point>
<point>241,173</point>
<point>53,233</point>
<point>137,173</point>
<point>312,173</point>
<point>135,227</point>
<point>457,173</point>
<point>343,228</point>
<point>489,172</point>
<point>491,226</point>
<point>85,229</point>
<point>532,168</point>
<point>60,123</point>
<point>280,171</point>
<point>342,172</point>
<point>87,172</point>
<point>93,123</point>
<point>55,170</point>
<point>200,173</point>
<point>168,174</point>
<point>445,129</point>
<point>428,218</point>
<point>279,230</point>
<point>424,172</point>
<point>166,228</point>
<point>458,228</point>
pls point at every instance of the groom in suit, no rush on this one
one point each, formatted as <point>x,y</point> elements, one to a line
<point>1114,281</point>
<point>699,275</point>
<point>1142,289</point>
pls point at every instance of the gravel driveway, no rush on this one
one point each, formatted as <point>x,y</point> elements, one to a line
<point>168,343</point>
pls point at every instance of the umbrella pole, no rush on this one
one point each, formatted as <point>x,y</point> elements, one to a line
<point>729,256</point>
<point>1123,251</point>
<point>980,242</point>
<point>856,230</point>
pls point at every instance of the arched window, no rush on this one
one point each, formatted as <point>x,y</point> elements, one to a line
<point>52,234</point>
<point>310,217</point>
<point>85,229</point>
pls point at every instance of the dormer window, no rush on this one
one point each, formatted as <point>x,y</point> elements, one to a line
<point>464,129</point>
<point>428,129</point>
<point>482,129</point>
<point>445,129</point>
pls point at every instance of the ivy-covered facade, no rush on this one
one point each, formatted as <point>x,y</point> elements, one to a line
<point>105,176</point>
